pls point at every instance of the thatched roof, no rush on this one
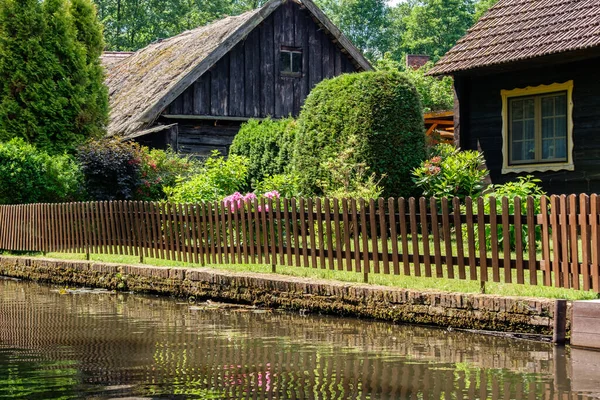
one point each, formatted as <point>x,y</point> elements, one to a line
<point>143,84</point>
<point>516,30</point>
<point>109,59</point>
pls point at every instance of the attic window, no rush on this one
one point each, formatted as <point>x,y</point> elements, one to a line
<point>291,61</point>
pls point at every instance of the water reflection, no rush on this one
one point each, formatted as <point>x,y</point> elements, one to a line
<point>106,345</point>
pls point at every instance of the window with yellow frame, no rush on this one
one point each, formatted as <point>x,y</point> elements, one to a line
<point>537,132</point>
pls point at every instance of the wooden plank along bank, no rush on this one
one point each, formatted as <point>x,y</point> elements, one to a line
<point>557,244</point>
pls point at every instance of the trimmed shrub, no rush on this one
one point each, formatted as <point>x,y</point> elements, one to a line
<point>111,169</point>
<point>374,116</point>
<point>267,145</point>
<point>217,178</point>
<point>28,175</point>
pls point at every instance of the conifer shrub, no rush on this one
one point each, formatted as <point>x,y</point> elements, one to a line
<point>267,145</point>
<point>28,175</point>
<point>51,83</point>
<point>376,117</point>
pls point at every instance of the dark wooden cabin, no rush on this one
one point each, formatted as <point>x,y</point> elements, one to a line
<point>527,88</point>
<point>194,90</point>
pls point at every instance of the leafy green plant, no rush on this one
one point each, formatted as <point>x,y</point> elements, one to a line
<point>29,175</point>
<point>285,184</point>
<point>268,146</point>
<point>378,113</point>
<point>523,187</point>
<point>451,173</point>
<point>159,169</point>
<point>217,178</point>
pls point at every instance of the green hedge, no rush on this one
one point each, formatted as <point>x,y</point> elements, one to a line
<point>376,117</point>
<point>29,175</point>
<point>267,145</point>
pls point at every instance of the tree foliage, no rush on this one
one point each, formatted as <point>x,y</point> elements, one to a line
<point>51,90</point>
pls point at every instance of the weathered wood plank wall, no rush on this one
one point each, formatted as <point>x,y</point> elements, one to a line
<point>247,81</point>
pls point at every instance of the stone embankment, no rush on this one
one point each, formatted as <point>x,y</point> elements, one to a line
<point>468,311</point>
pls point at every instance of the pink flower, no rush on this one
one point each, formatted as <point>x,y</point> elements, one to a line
<point>272,194</point>
<point>436,160</point>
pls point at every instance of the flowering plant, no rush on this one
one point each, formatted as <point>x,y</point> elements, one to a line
<point>451,172</point>
<point>237,200</point>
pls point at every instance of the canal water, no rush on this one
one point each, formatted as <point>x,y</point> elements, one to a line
<point>57,343</point>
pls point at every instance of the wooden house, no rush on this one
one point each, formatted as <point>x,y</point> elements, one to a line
<point>194,90</point>
<point>527,88</point>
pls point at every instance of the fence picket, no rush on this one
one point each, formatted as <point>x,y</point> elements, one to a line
<point>564,237</point>
<point>531,237</point>
<point>384,236</point>
<point>414,236</point>
<point>320,233</point>
<point>595,270</point>
<point>329,233</point>
<point>471,239</point>
<point>483,271</point>
<point>338,235</point>
<point>394,236</point>
<point>494,240</point>
<point>447,238</point>
<point>506,240</point>
<point>374,241</point>
<point>403,235</point>
<point>425,236</point>
<point>460,250</point>
<point>574,242</point>
<point>518,240</point>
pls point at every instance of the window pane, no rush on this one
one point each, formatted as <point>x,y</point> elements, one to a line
<point>561,149</point>
<point>523,150</point>
<point>529,108</point>
<point>286,61</point>
<point>529,131</point>
<point>516,109</point>
<point>297,62</point>
<point>554,127</point>
<point>517,130</point>
<point>548,106</point>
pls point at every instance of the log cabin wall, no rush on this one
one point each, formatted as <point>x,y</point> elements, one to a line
<point>247,82</point>
<point>481,121</point>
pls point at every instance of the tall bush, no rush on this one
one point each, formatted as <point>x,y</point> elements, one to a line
<point>111,169</point>
<point>381,111</point>
<point>28,175</point>
<point>51,90</point>
<point>267,145</point>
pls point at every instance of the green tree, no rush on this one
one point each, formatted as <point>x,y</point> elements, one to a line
<point>364,22</point>
<point>482,6</point>
<point>133,24</point>
<point>46,88</point>
<point>94,115</point>
<point>434,26</point>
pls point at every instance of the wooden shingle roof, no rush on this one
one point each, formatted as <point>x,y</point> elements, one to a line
<point>515,30</point>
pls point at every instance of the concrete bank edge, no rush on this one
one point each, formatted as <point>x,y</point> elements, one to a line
<point>458,310</point>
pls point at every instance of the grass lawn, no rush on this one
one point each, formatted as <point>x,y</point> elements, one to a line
<point>412,282</point>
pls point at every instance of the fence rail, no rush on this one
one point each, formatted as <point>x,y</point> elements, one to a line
<point>554,242</point>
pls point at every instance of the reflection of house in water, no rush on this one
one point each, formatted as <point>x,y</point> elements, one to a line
<point>111,339</point>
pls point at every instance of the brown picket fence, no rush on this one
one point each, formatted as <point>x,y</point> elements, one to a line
<point>556,244</point>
